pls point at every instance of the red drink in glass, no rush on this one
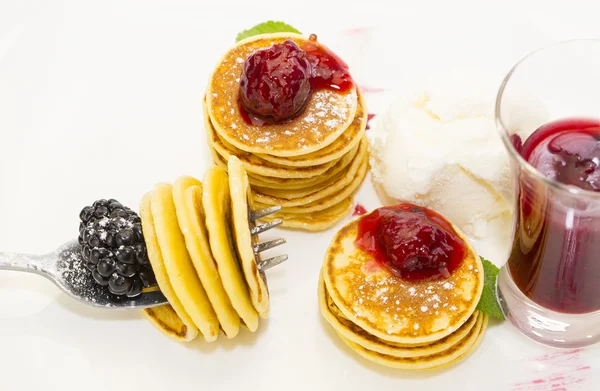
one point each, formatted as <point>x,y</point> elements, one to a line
<point>555,257</point>
<point>550,286</point>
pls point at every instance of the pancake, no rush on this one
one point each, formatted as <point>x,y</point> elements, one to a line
<point>216,201</point>
<point>179,266</point>
<point>240,198</point>
<point>302,183</point>
<point>187,195</point>
<point>440,359</point>
<point>286,183</point>
<point>395,310</point>
<point>254,164</point>
<point>185,329</point>
<point>348,140</point>
<point>473,347</point>
<point>326,116</point>
<point>355,334</point>
<point>168,322</point>
<point>328,201</point>
<point>314,221</point>
<point>287,198</point>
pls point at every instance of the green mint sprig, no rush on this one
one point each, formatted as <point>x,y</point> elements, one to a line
<point>489,301</point>
<point>266,28</point>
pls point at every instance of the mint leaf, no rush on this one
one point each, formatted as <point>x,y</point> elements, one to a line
<point>489,301</point>
<point>266,28</point>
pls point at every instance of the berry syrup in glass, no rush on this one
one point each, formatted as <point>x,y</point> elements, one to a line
<point>555,257</point>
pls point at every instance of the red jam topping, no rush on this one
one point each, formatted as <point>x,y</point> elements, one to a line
<point>412,242</point>
<point>369,118</point>
<point>359,210</point>
<point>328,70</point>
<point>277,82</point>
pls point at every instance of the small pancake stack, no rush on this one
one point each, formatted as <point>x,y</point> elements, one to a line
<point>200,246</point>
<point>310,165</point>
<point>397,323</point>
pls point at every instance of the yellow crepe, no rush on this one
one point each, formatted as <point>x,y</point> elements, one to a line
<point>187,194</point>
<point>180,268</point>
<point>184,329</point>
<point>240,191</point>
<point>216,201</point>
<point>168,322</point>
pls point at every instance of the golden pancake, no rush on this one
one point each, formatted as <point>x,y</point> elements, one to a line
<point>326,116</point>
<point>285,198</point>
<point>328,201</point>
<point>179,266</point>
<point>302,183</point>
<point>240,198</point>
<point>335,181</point>
<point>314,221</point>
<point>286,183</point>
<point>254,164</point>
<point>391,308</point>
<point>348,140</point>
<point>432,361</point>
<point>353,333</point>
<point>188,331</point>
<point>216,201</point>
<point>187,194</point>
<point>168,322</point>
<point>472,348</point>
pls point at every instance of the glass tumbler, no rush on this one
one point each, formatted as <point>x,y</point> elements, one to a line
<point>550,286</point>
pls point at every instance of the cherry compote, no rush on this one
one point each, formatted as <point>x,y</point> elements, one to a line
<point>328,70</point>
<point>412,242</point>
<point>359,210</point>
<point>554,258</point>
<point>277,82</point>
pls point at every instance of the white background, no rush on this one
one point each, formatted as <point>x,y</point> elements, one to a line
<point>103,99</point>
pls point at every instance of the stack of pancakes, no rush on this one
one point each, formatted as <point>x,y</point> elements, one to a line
<point>200,246</point>
<point>311,165</point>
<point>397,323</point>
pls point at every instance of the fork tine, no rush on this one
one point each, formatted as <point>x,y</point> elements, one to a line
<point>265,227</point>
<point>260,213</point>
<point>268,245</point>
<point>274,261</point>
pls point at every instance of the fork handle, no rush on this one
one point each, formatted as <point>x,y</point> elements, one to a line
<point>37,264</point>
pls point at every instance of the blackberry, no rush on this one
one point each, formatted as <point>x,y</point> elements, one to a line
<point>113,247</point>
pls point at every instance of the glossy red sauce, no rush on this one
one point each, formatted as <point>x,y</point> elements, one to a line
<point>412,242</point>
<point>369,118</point>
<point>277,82</point>
<point>359,210</point>
<point>328,70</point>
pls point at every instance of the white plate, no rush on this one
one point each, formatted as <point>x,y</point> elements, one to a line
<point>104,99</point>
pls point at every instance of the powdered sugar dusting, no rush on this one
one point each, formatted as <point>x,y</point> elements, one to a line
<point>325,118</point>
<point>404,308</point>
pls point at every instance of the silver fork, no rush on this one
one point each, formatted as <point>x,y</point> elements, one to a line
<point>66,268</point>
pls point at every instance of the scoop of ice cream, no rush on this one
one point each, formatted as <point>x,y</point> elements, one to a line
<point>439,148</point>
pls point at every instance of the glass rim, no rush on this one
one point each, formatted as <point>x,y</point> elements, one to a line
<point>503,130</point>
